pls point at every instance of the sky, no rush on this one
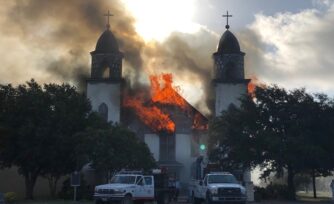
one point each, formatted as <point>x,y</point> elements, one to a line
<point>286,42</point>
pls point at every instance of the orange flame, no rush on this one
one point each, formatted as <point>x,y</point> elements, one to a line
<point>255,82</point>
<point>150,116</point>
<point>252,85</point>
<point>199,123</point>
<point>167,94</point>
<point>163,92</point>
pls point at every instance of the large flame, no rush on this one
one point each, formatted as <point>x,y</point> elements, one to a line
<point>163,93</point>
<point>150,116</point>
<point>166,93</point>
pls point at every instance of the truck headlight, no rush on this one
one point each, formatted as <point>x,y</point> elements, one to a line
<point>214,190</point>
<point>119,191</point>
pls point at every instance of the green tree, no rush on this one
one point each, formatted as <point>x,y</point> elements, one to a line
<point>117,148</point>
<point>277,130</point>
<point>67,116</point>
<point>24,113</point>
<point>39,125</point>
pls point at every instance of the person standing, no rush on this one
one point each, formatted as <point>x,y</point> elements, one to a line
<point>332,188</point>
<point>171,187</point>
<point>177,189</point>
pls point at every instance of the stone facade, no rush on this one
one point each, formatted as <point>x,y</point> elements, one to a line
<point>110,62</point>
<point>228,67</point>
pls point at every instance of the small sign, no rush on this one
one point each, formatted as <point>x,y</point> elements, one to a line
<point>2,199</point>
<point>156,171</point>
<point>75,178</point>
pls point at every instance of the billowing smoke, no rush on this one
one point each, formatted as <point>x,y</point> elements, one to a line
<point>188,57</point>
<point>51,40</point>
<point>56,37</point>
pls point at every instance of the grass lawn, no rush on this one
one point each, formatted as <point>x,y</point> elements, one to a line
<point>321,197</point>
<point>54,202</point>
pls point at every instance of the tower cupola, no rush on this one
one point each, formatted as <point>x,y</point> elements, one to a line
<point>106,58</point>
<point>228,60</point>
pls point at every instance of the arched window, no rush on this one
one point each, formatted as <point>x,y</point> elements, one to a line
<point>106,72</point>
<point>103,111</point>
<point>230,71</point>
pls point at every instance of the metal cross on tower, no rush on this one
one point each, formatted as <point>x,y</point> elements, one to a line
<point>108,15</point>
<point>227,15</point>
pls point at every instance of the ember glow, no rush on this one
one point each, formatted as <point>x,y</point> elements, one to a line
<point>255,82</point>
<point>163,93</point>
<point>199,122</point>
<point>252,85</point>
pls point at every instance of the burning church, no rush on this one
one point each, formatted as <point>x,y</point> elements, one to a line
<point>171,127</point>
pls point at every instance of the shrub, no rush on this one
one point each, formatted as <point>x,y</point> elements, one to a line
<point>11,197</point>
<point>259,193</point>
<point>84,191</point>
<point>271,192</point>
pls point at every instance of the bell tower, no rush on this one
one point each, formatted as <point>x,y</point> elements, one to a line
<point>228,74</point>
<point>230,83</point>
<point>104,85</point>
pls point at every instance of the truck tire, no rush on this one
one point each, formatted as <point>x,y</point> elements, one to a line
<point>98,201</point>
<point>195,200</point>
<point>207,199</point>
<point>139,202</point>
<point>127,199</point>
<point>162,198</point>
<point>166,198</point>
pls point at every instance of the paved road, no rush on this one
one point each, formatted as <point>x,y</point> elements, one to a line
<point>183,200</point>
<point>278,202</point>
<point>288,202</point>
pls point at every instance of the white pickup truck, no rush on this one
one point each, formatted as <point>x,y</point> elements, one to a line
<point>218,187</point>
<point>128,188</point>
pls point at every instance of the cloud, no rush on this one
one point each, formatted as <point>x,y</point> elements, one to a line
<point>292,49</point>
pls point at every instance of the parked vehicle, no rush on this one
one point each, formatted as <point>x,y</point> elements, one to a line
<point>128,187</point>
<point>217,187</point>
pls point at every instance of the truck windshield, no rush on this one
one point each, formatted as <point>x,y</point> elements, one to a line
<point>222,179</point>
<point>123,179</point>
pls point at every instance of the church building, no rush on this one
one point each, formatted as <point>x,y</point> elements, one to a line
<point>175,150</point>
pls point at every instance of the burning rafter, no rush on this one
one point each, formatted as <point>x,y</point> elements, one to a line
<point>163,93</point>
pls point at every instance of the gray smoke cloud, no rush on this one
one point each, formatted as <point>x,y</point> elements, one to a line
<point>55,38</point>
<point>51,40</point>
